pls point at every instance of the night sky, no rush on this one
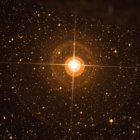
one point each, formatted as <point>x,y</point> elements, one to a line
<point>39,100</point>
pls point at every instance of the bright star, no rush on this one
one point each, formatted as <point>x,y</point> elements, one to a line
<point>74,66</point>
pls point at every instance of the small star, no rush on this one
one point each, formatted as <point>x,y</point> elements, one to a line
<point>129,44</point>
<point>81,112</point>
<point>38,15</point>
<point>59,25</point>
<point>111,121</point>
<point>49,14</point>
<point>43,68</point>
<point>10,137</point>
<point>4,117</point>
<point>115,51</point>
<point>12,87</point>
<point>60,88</point>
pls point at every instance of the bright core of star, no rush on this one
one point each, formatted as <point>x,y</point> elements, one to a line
<point>74,66</point>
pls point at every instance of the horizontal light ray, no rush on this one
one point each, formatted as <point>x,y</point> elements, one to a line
<point>111,66</point>
<point>57,64</point>
<point>25,63</point>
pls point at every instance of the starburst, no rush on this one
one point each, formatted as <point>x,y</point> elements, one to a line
<point>74,64</point>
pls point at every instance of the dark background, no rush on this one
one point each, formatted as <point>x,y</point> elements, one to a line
<point>15,121</point>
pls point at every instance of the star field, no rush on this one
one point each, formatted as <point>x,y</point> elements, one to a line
<point>40,100</point>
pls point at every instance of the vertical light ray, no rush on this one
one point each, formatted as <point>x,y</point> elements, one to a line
<point>74,39</point>
<point>72,93</point>
<point>73,79</point>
